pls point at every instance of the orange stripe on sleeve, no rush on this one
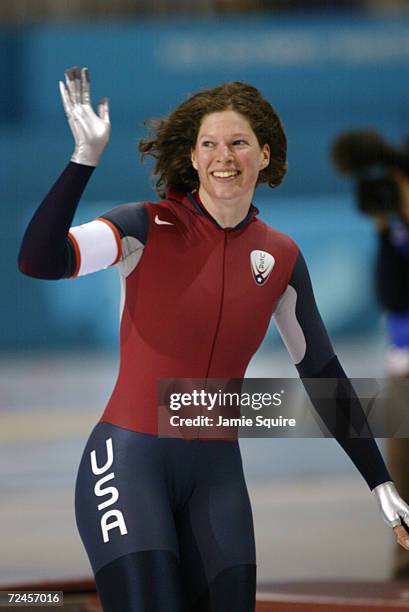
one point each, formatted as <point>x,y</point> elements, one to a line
<point>77,254</point>
<point>117,238</point>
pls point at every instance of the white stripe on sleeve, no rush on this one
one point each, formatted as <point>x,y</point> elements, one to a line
<point>97,244</point>
<point>288,325</point>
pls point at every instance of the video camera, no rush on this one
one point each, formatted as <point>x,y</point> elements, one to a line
<point>371,162</point>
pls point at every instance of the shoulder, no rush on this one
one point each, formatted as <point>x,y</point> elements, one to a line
<point>162,212</point>
<point>130,219</point>
<point>167,215</point>
<point>138,219</point>
<point>277,238</point>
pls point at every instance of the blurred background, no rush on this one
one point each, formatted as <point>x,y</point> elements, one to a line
<point>326,67</point>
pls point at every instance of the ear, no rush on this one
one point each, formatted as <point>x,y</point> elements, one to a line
<point>193,158</point>
<point>265,157</point>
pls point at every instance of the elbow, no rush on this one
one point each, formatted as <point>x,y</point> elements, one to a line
<point>44,263</point>
<point>24,265</point>
<point>29,268</point>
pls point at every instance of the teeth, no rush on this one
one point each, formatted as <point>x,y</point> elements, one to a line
<point>226,174</point>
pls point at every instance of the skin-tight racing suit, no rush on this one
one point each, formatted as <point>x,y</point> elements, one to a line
<point>167,522</point>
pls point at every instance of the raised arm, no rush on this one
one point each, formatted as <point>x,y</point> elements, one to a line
<point>307,341</point>
<point>47,250</point>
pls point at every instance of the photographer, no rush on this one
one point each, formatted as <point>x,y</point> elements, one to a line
<point>381,175</point>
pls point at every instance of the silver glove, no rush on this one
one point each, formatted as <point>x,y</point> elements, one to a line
<point>91,131</point>
<point>392,506</point>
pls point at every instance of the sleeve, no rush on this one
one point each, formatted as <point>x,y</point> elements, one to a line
<point>51,249</point>
<point>391,276</point>
<point>304,334</point>
<point>116,236</point>
<point>46,252</point>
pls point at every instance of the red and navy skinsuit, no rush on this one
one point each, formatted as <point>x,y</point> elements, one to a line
<point>194,305</point>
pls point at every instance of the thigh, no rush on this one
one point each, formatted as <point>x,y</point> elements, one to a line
<point>121,499</point>
<point>215,528</point>
<point>146,581</point>
<point>233,590</point>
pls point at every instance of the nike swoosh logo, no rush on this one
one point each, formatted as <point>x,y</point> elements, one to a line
<point>161,222</point>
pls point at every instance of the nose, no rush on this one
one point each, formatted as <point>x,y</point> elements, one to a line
<point>224,153</point>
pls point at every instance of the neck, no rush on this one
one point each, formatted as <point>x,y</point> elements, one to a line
<point>227,213</point>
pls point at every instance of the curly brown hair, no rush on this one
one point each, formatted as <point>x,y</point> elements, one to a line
<point>170,140</point>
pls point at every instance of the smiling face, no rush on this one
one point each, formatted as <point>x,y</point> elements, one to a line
<point>228,158</point>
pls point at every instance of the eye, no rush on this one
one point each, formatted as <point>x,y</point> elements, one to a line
<point>207,143</point>
<point>240,141</point>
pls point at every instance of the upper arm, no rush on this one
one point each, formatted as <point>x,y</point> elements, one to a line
<point>300,325</point>
<point>112,237</point>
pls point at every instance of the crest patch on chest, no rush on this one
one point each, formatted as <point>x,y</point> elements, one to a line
<point>261,265</point>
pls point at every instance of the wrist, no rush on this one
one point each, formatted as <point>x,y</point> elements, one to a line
<point>86,156</point>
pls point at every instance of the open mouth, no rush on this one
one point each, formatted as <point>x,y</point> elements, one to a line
<point>225,175</point>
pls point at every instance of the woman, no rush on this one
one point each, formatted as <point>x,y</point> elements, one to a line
<point>167,522</point>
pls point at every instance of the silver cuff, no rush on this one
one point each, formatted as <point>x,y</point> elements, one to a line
<point>85,157</point>
<point>392,506</point>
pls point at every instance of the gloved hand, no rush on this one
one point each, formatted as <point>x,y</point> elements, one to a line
<point>395,511</point>
<point>91,131</point>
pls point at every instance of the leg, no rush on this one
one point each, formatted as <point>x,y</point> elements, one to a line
<point>216,535</point>
<point>146,581</point>
<point>125,520</point>
<point>233,590</point>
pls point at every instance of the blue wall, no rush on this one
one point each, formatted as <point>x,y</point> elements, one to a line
<point>321,75</point>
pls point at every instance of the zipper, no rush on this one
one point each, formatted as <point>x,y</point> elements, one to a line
<point>218,318</point>
<point>221,304</point>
